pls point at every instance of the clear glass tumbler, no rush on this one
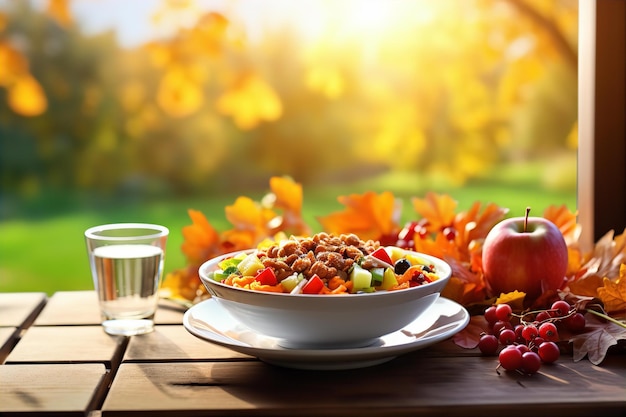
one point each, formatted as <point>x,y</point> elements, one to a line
<point>126,261</point>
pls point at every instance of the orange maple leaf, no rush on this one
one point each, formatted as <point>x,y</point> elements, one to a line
<point>439,209</point>
<point>613,293</point>
<point>565,220</point>
<point>586,287</point>
<point>286,195</point>
<point>250,222</point>
<point>201,240</point>
<point>368,215</point>
<point>477,224</point>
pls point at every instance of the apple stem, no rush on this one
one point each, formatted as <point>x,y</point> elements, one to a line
<point>526,219</point>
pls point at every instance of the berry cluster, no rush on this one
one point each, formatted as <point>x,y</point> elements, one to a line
<point>412,231</point>
<point>524,341</point>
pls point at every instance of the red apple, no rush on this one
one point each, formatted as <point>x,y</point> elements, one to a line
<point>527,254</point>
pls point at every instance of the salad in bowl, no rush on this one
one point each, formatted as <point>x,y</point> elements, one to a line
<point>325,291</point>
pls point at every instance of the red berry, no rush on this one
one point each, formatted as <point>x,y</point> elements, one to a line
<point>507,337</point>
<point>549,352</point>
<point>575,323</point>
<point>408,231</point>
<point>549,332</point>
<point>530,332</point>
<point>501,325</point>
<point>561,307</point>
<point>449,233</point>
<point>522,348</point>
<point>503,312</point>
<point>536,342</point>
<point>542,316</point>
<point>488,344</point>
<point>490,315</point>
<point>510,358</point>
<point>531,362</point>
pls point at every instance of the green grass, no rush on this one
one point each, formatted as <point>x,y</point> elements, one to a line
<point>47,253</point>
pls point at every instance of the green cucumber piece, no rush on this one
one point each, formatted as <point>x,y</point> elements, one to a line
<point>361,278</point>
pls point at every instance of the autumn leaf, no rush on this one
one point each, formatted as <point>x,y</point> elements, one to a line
<point>586,287</point>
<point>439,209</point>
<point>368,215</point>
<point>469,337</point>
<point>613,293</point>
<point>604,261</point>
<point>565,220</point>
<point>515,299</point>
<point>201,240</point>
<point>476,223</point>
<point>250,222</point>
<point>286,195</point>
<point>596,341</point>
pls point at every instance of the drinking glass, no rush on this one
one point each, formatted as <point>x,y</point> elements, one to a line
<point>126,261</point>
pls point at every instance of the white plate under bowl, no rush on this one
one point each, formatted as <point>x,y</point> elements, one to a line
<point>209,321</point>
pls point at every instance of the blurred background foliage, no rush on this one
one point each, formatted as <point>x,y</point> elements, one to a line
<point>409,96</point>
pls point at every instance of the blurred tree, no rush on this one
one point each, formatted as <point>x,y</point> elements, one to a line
<point>444,89</point>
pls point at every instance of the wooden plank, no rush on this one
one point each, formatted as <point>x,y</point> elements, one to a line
<point>8,337</point>
<point>70,307</point>
<point>413,384</point>
<point>175,343</point>
<point>64,389</point>
<point>20,309</point>
<point>70,344</point>
<point>81,308</point>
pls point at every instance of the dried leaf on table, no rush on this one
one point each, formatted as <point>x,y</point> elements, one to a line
<point>470,336</point>
<point>596,341</point>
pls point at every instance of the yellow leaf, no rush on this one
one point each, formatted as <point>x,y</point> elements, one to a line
<point>288,193</point>
<point>250,101</point>
<point>515,299</point>
<point>250,223</point>
<point>26,97</point>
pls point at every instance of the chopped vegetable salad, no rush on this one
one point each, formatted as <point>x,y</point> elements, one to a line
<point>325,264</point>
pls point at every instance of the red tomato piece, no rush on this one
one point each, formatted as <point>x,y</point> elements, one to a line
<point>382,254</point>
<point>313,286</point>
<point>266,276</point>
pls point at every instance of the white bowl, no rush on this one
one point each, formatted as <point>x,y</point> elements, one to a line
<point>326,321</point>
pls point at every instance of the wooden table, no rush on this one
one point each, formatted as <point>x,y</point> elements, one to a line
<point>57,360</point>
